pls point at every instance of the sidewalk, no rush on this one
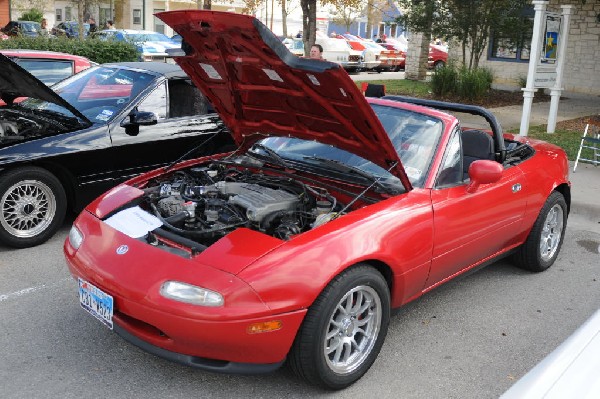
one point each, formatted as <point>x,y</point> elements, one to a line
<point>570,106</point>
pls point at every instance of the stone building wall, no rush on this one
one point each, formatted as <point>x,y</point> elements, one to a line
<point>582,65</point>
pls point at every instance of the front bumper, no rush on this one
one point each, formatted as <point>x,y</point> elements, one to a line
<point>219,366</point>
<point>213,338</point>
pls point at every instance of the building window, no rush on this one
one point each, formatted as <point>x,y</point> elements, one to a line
<point>104,15</point>
<point>58,15</point>
<point>137,17</point>
<point>67,13</point>
<point>511,41</point>
<point>159,26</point>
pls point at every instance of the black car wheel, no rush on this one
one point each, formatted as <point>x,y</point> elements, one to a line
<point>543,244</point>
<point>32,206</point>
<point>343,330</point>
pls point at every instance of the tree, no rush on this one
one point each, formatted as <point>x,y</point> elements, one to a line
<point>346,13</point>
<point>467,21</point>
<point>32,15</point>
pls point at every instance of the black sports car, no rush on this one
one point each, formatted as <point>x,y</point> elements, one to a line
<point>60,147</point>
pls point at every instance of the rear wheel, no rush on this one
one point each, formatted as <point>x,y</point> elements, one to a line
<point>32,206</point>
<point>344,329</point>
<point>543,244</point>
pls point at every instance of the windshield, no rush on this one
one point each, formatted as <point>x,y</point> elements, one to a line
<point>414,136</point>
<point>100,93</point>
<point>147,37</point>
<point>30,26</point>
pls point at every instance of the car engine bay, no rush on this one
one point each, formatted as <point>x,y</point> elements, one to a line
<point>203,204</point>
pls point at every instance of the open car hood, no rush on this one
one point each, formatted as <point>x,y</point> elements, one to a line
<point>16,82</point>
<point>261,89</point>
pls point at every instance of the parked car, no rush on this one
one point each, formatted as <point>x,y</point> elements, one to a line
<point>65,145</point>
<point>48,66</point>
<point>152,46</point>
<point>339,51</point>
<point>438,56</point>
<point>70,29</point>
<point>334,209</point>
<point>399,52</point>
<point>24,28</point>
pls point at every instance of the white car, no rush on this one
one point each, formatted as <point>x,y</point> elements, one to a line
<point>570,371</point>
<point>339,51</point>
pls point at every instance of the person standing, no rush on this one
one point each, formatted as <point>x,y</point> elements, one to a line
<point>109,25</point>
<point>93,26</point>
<point>44,27</point>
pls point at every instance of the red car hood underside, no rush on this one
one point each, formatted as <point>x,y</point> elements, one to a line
<point>261,89</point>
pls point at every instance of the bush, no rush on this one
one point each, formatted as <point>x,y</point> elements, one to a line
<point>468,84</point>
<point>444,80</point>
<point>32,15</point>
<point>96,50</point>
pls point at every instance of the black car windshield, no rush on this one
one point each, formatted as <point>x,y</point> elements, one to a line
<point>100,93</point>
<point>415,137</point>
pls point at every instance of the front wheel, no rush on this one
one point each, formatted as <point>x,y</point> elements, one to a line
<point>32,206</point>
<point>542,246</point>
<point>344,329</point>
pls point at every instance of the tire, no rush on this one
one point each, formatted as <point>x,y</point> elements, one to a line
<point>335,320</point>
<point>543,244</point>
<point>32,206</point>
<point>439,65</point>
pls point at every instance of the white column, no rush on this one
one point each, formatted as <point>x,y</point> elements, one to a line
<point>556,91</point>
<point>534,57</point>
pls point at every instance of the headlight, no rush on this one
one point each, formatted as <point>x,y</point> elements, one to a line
<point>188,293</point>
<point>75,237</point>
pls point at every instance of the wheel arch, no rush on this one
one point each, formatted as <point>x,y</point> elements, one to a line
<point>565,190</point>
<point>65,178</point>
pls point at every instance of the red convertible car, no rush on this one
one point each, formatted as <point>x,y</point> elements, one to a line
<point>334,210</point>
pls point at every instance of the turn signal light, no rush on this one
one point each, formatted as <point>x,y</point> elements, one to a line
<point>266,326</point>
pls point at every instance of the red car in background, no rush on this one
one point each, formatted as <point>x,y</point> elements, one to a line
<point>438,56</point>
<point>48,66</point>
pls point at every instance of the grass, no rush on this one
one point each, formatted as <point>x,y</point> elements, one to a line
<point>569,140</point>
<point>403,87</point>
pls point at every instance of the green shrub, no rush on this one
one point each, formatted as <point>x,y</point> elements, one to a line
<point>467,84</point>
<point>96,50</point>
<point>444,80</point>
<point>474,83</point>
<point>32,15</point>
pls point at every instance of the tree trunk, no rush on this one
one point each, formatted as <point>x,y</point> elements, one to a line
<point>369,30</point>
<point>309,23</point>
<point>80,11</point>
<point>284,18</point>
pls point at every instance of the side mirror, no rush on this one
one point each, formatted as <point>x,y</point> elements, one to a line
<point>137,119</point>
<point>483,172</point>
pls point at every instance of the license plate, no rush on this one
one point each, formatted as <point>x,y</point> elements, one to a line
<point>97,302</point>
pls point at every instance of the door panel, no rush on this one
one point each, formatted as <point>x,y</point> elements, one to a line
<point>472,226</point>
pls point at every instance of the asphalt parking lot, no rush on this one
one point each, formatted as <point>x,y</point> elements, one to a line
<point>472,338</point>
